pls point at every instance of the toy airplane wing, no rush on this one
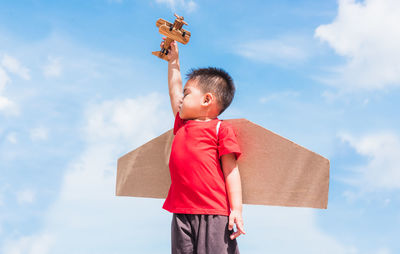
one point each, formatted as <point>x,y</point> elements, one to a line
<point>274,170</point>
<point>163,22</point>
<point>166,28</point>
<point>181,35</point>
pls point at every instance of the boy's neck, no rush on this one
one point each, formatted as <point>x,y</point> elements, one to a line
<point>207,115</point>
<point>204,118</point>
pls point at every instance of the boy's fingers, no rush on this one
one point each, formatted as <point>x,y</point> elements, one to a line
<point>235,235</point>
<point>240,228</point>
<point>231,222</point>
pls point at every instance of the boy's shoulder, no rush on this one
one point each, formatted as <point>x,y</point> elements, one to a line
<point>225,124</point>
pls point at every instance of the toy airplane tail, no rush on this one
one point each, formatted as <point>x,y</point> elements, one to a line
<point>160,55</point>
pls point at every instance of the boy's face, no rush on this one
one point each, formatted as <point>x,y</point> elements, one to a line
<point>192,102</point>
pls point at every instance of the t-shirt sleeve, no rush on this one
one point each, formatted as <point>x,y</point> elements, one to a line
<point>227,141</point>
<point>179,122</point>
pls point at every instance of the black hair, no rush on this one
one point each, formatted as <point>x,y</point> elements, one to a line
<point>216,81</point>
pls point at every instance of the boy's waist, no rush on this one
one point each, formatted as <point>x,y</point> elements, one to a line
<point>206,201</point>
<point>183,210</point>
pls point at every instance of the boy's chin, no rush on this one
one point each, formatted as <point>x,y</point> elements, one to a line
<point>183,116</point>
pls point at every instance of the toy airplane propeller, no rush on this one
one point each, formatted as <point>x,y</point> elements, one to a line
<point>174,32</point>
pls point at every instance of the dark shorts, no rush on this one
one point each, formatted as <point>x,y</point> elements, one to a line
<point>201,234</point>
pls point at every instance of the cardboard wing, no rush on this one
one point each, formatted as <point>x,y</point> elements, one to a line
<point>274,170</point>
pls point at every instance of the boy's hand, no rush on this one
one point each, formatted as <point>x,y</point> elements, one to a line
<point>173,51</point>
<point>236,218</point>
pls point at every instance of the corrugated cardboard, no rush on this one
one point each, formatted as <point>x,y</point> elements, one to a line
<point>274,170</point>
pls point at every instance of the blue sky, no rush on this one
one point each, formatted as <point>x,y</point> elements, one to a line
<point>79,88</point>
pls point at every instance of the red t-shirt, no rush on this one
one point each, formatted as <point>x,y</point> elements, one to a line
<point>197,180</point>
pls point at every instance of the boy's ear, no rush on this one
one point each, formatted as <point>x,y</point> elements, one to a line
<point>207,98</point>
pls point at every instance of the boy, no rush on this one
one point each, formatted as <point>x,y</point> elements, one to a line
<point>205,194</point>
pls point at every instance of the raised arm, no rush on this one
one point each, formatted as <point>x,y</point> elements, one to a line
<point>234,191</point>
<point>174,78</point>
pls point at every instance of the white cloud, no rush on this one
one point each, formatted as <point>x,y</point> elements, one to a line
<point>367,35</point>
<point>382,171</point>
<point>39,133</point>
<point>280,51</point>
<point>3,190</point>
<point>7,106</point>
<point>113,120</point>
<point>1,203</point>
<point>284,95</point>
<point>39,244</point>
<point>5,103</point>
<point>12,138</point>
<point>12,65</point>
<point>187,5</point>
<point>87,212</point>
<point>53,68</point>
<point>26,196</point>
<point>384,251</point>
<point>287,230</point>
<point>4,79</point>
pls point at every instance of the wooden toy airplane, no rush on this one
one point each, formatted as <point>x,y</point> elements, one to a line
<point>174,32</point>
